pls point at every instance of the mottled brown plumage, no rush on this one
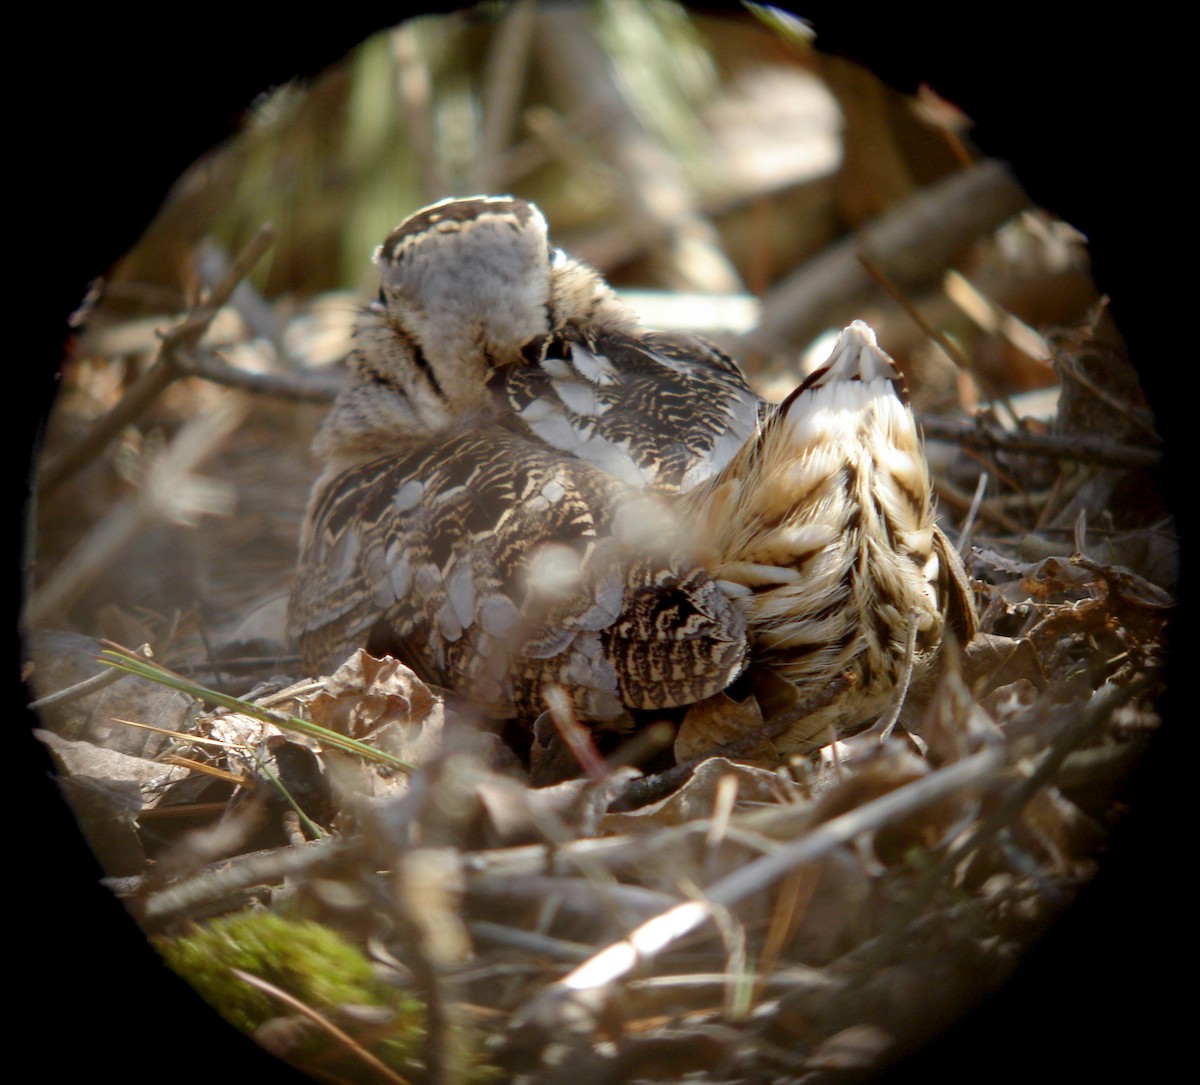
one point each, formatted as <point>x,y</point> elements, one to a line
<point>523,487</point>
<point>490,508</point>
<point>822,530</point>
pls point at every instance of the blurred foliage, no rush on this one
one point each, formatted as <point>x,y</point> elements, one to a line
<point>446,105</point>
<point>668,74</point>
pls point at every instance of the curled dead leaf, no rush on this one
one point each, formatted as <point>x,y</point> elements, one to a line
<point>991,660</point>
<point>714,722</point>
<point>365,694</point>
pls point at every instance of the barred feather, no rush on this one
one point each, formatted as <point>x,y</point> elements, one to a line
<point>522,488</point>
<point>822,531</point>
<point>476,516</point>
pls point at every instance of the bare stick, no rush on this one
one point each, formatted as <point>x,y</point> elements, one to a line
<point>507,64</point>
<point>414,92</point>
<point>661,205</point>
<point>590,981</point>
<point>198,362</point>
<point>228,877</point>
<point>964,536</point>
<point>1096,713</point>
<point>1083,449</point>
<point>166,369</point>
<point>913,244</point>
<point>88,685</point>
<point>949,347</point>
<point>340,1036</point>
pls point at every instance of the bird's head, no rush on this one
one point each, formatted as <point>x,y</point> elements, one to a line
<point>467,286</point>
<point>466,283</point>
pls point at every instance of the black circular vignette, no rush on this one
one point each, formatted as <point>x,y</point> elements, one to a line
<point>1068,104</point>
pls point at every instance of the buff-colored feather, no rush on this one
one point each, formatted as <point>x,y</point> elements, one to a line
<point>523,488</point>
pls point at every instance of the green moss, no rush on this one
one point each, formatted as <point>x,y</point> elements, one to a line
<point>304,958</point>
<point>318,967</point>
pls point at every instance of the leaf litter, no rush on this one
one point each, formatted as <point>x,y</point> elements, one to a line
<point>724,919</point>
<point>753,923</point>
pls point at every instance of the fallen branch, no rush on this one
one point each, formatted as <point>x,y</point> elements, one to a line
<point>210,367</point>
<point>586,987</point>
<point>1083,449</point>
<point>168,367</point>
<point>912,244</point>
<point>225,879</point>
<point>1097,712</point>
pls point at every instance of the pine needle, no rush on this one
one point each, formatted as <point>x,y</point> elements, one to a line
<point>154,672</point>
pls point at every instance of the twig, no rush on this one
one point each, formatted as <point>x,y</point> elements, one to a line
<point>991,510</point>
<point>578,738</point>
<point>88,685</point>
<point>913,244</point>
<point>1095,713</point>
<point>660,205</point>
<point>556,949</point>
<point>886,723</point>
<point>950,348</point>
<point>507,65</point>
<point>167,368</point>
<point>231,876</point>
<point>414,92</point>
<point>964,536</point>
<point>170,491</point>
<point>586,986</point>
<point>978,770</point>
<point>198,362</point>
<point>347,1041</point>
<point>259,315</point>
<point>993,318</point>
<point>1083,449</point>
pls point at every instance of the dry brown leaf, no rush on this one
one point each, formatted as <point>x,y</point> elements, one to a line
<point>855,1048</point>
<point>821,910</point>
<point>1061,831</point>
<point>102,763</point>
<point>382,702</point>
<point>107,792</point>
<point>1053,576</point>
<point>237,730</point>
<point>365,693</point>
<point>714,722</point>
<point>62,660</point>
<point>878,771</point>
<point>991,660</point>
